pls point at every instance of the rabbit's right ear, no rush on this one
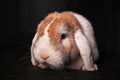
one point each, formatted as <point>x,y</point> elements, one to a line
<point>32,54</point>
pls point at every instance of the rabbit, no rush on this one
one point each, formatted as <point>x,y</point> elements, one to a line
<point>65,40</point>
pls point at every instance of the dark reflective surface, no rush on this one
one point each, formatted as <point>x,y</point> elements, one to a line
<point>17,66</point>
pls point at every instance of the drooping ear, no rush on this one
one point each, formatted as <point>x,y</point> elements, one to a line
<point>87,29</point>
<point>85,50</point>
<point>82,43</point>
<point>32,46</point>
<point>85,40</point>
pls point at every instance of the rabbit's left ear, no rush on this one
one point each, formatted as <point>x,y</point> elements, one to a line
<point>84,48</point>
<point>85,41</point>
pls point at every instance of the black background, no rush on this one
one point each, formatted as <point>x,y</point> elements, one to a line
<point>19,20</point>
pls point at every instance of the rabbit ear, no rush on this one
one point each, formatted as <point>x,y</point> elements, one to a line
<point>32,54</point>
<point>82,42</point>
<point>89,34</point>
<point>84,48</point>
<point>85,41</point>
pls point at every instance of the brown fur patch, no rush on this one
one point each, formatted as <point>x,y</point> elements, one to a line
<point>45,22</point>
<point>65,20</point>
<point>53,32</point>
<point>71,20</point>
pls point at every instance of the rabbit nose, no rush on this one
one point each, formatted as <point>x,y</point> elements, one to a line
<point>44,56</point>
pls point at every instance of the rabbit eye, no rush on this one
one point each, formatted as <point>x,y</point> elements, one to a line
<point>63,36</point>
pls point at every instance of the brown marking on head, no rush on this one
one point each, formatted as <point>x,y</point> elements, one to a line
<point>65,21</point>
<point>54,30</point>
<point>45,22</point>
<point>71,20</point>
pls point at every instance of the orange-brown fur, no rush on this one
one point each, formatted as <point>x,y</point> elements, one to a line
<point>70,19</point>
<point>63,20</point>
<point>53,33</point>
<point>45,22</point>
<point>64,17</point>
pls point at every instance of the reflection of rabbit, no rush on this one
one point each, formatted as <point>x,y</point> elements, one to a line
<point>64,40</point>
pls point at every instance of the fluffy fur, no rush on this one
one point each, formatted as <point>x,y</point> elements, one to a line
<point>64,39</point>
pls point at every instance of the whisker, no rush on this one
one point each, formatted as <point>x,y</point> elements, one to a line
<point>24,63</point>
<point>23,58</point>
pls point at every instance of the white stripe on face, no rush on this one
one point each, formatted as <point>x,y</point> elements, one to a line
<point>45,40</point>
